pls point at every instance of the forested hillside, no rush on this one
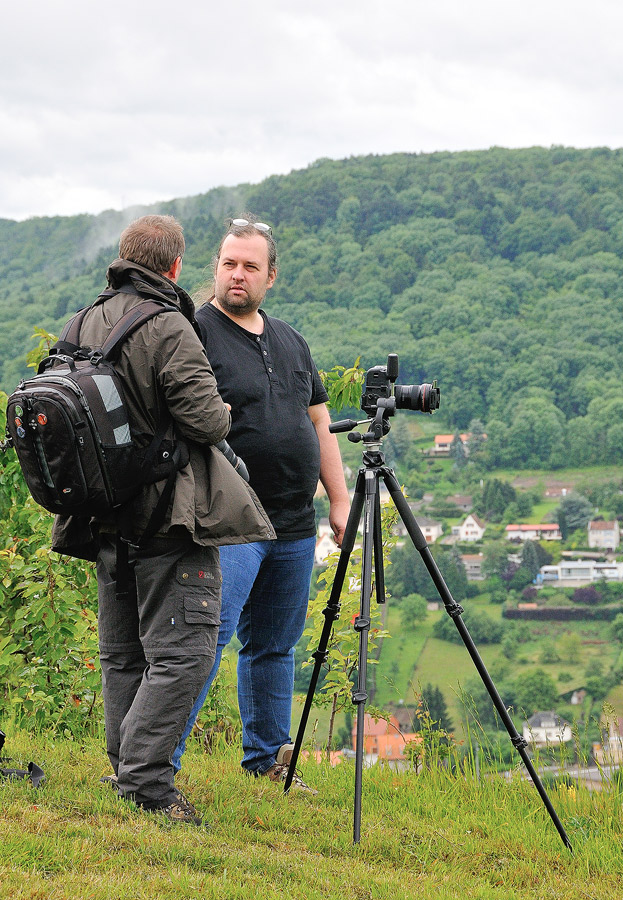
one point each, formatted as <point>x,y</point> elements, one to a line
<point>495,272</point>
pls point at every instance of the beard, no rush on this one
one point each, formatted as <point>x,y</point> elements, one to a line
<point>238,304</point>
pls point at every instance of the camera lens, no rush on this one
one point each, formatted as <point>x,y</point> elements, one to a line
<point>419,397</point>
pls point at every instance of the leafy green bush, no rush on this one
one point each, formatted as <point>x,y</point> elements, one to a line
<point>483,629</point>
<point>49,672</point>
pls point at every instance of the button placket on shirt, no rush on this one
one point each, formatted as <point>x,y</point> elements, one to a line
<point>266,359</point>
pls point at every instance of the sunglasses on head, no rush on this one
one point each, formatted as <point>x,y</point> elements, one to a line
<point>261,226</point>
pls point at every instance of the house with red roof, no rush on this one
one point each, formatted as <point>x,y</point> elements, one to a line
<point>544,532</point>
<point>383,740</point>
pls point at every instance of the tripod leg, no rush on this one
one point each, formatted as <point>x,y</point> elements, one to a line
<point>362,625</point>
<point>454,610</point>
<point>331,612</point>
<point>379,573</point>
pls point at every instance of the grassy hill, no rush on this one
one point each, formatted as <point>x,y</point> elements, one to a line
<point>438,834</point>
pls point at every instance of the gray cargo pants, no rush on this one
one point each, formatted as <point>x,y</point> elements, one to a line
<point>157,646</point>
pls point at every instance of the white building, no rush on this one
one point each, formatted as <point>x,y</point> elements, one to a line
<point>472,529</point>
<point>578,572</point>
<point>546,728</point>
<point>325,546</point>
<point>472,563</point>
<point>431,529</point>
<point>611,753</point>
<point>443,443</point>
<point>604,535</point>
<point>543,532</point>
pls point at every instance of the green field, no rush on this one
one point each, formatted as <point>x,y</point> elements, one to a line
<point>417,659</point>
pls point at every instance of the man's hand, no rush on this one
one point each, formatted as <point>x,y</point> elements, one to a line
<point>338,517</point>
<point>331,471</point>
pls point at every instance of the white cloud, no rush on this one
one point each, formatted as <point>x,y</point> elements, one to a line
<point>132,102</point>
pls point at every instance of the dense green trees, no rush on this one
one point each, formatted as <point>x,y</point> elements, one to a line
<point>496,272</point>
<point>574,512</point>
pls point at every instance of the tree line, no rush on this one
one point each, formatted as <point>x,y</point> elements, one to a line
<point>496,272</point>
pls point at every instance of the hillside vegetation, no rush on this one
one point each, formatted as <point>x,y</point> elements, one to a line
<point>495,272</point>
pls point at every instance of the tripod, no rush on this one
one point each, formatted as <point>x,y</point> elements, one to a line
<point>367,499</point>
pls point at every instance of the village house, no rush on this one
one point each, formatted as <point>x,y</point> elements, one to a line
<point>472,563</point>
<point>463,501</point>
<point>443,442</point>
<point>579,572</point>
<point>325,546</point>
<point>603,535</point>
<point>431,529</point>
<point>544,532</point>
<point>611,751</point>
<point>383,740</point>
<point>546,728</point>
<point>472,529</point>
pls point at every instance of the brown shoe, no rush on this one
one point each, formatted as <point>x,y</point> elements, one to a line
<point>112,780</point>
<point>284,755</point>
<point>279,772</point>
<point>181,810</point>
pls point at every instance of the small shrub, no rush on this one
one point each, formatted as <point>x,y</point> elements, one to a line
<point>587,595</point>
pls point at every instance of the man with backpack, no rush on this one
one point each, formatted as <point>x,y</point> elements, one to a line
<point>158,598</point>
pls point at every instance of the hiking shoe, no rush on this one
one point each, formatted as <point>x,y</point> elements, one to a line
<point>112,780</point>
<point>181,810</point>
<point>284,755</point>
<point>278,773</point>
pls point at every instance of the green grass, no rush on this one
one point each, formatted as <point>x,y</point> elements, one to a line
<point>433,835</point>
<point>399,655</point>
<point>540,512</point>
<point>448,666</point>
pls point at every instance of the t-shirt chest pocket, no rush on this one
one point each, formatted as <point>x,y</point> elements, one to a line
<point>302,387</point>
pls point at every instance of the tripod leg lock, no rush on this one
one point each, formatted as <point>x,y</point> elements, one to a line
<point>320,655</point>
<point>455,610</point>
<point>361,623</point>
<point>331,612</point>
<point>518,742</point>
<point>360,696</point>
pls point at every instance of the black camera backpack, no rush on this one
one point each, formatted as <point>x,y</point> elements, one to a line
<point>71,431</point>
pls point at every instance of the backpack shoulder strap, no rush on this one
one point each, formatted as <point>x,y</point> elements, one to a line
<point>129,323</point>
<point>69,341</point>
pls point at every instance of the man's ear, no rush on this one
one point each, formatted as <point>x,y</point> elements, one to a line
<point>271,279</point>
<point>174,271</point>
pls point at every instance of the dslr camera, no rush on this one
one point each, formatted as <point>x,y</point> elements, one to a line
<point>379,390</point>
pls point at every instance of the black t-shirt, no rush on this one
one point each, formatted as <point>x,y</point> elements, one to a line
<point>270,380</point>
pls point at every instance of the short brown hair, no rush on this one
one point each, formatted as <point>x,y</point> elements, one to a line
<point>249,231</point>
<point>154,242</point>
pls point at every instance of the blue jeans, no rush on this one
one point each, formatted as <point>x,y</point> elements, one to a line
<point>265,595</point>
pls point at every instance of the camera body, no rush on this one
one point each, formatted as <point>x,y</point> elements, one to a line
<point>379,389</point>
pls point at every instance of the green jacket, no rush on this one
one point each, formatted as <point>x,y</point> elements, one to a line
<point>166,376</point>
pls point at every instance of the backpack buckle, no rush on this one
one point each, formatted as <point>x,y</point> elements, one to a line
<point>96,357</point>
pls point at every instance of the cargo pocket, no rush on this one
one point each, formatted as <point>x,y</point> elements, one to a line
<point>199,574</point>
<point>200,609</point>
<point>194,573</point>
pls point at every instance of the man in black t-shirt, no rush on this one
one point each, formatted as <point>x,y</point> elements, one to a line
<point>280,428</point>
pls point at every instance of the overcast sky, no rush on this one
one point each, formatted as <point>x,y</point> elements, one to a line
<point>107,104</point>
